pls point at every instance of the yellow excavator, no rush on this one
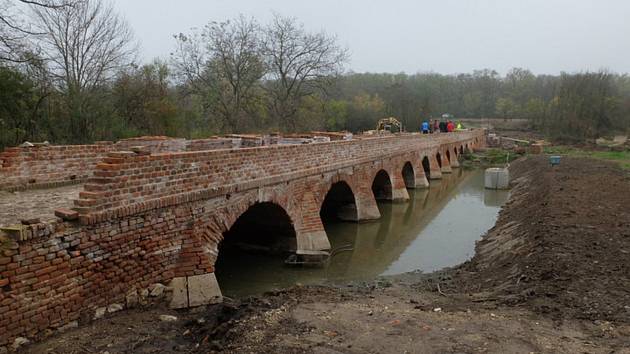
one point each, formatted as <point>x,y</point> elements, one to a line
<point>390,124</point>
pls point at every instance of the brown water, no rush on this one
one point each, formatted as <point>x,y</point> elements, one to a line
<point>437,228</point>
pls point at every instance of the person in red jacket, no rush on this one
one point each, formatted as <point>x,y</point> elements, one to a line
<point>450,127</point>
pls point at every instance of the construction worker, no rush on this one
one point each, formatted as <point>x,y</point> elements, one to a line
<point>443,128</point>
<point>425,127</point>
<point>450,127</point>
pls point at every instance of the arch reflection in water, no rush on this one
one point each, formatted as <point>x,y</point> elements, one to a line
<point>437,228</point>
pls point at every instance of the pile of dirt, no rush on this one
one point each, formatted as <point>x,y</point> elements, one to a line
<point>562,244</point>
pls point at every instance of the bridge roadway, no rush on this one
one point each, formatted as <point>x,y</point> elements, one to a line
<point>160,218</point>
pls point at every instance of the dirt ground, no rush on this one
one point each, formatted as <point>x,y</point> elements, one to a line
<point>37,203</point>
<point>553,276</point>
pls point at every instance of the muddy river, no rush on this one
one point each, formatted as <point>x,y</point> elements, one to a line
<point>437,228</point>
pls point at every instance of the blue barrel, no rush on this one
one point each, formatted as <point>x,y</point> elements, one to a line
<point>554,160</point>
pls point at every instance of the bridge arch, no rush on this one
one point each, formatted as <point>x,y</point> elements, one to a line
<point>448,155</point>
<point>438,156</point>
<point>409,175</point>
<point>264,225</point>
<point>339,203</point>
<point>263,231</point>
<point>382,186</point>
<point>426,166</point>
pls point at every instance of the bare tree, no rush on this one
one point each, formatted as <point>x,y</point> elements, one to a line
<point>223,62</point>
<point>16,29</point>
<point>300,64</point>
<point>84,45</point>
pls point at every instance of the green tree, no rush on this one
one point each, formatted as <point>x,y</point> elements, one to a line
<point>84,46</point>
<point>17,101</point>
<point>224,64</point>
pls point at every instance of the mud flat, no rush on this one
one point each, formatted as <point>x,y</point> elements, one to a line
<point>553,276</point>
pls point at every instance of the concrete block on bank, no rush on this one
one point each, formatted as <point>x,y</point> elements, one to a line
<point>203,289</point>
<point>497,178</point>
<point>195,290</point>
<point>180,293</point>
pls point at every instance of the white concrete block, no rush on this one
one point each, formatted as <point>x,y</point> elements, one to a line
<point>203,289</point>
<point>180,293</point>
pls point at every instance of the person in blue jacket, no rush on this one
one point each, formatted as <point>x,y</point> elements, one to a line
<point>425,127</point>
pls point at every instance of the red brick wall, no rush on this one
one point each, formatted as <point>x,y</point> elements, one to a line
<point>61,272</point>
<point>53,166</point>
<point>48,166</point>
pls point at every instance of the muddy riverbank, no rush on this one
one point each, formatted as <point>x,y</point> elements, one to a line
<point>553,276</point>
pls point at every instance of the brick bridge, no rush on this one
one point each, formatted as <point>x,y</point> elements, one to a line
<point>160,218</point>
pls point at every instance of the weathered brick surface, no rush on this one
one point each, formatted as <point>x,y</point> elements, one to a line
<point>149,219</point>
<point>154,144</point>
<point>48,166</point>
<point>53,166</point>
<point>212,144</point>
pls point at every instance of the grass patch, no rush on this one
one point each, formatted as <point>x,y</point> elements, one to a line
<point>490,157</point>
<point>612,155</point>
<point>621,157</point>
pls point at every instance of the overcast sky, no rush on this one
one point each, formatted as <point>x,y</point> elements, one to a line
<point>446,36</point>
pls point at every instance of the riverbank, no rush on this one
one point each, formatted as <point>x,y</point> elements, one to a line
<point>552,276</point>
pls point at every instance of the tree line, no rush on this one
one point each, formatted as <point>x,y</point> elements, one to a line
<point>69,73</point>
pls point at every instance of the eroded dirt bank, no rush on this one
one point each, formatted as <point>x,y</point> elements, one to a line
<point>562,244</point>
<point>553,276</point>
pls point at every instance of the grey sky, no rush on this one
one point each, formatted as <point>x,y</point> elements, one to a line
<point>446,36</point>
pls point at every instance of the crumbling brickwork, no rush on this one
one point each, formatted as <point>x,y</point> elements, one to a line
<point>49,166</point>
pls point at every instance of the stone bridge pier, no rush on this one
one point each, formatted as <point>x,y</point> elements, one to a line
<point>166,217</point>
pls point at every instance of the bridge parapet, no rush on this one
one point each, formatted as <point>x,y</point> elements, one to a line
<point>126,183</point>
